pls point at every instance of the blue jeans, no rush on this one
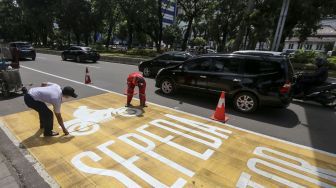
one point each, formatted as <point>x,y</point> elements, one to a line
<point>45,114</point>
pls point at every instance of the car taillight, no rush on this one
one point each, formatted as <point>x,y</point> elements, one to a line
<point>285,89</point>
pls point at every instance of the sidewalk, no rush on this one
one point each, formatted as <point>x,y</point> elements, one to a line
<point>7,180</point>
<point>15,168</point>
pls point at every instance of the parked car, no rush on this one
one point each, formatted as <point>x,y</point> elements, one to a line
<point>80,54</point>
<point>251,81</point>
<point>331,53</point>
<point>151,67</point>
<point>25,49</point>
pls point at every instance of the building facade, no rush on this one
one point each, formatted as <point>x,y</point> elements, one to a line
<point>325,36</point>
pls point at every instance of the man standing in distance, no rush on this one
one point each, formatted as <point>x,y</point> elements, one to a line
<point>53,94</point>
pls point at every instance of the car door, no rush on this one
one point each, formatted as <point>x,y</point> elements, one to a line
<point>176,60</point>
<point>160,62</point>
<point>69,53</point>
<point>195,73</point>
<point>226,74</point>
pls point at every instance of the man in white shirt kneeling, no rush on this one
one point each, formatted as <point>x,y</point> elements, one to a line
<point>49,93</point>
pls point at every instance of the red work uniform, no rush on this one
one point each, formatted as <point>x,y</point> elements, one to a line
<point>136,79</point>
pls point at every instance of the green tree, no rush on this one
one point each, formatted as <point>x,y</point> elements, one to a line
<point>172,34</point>
<point>192,9</point>
<point>11,25</point>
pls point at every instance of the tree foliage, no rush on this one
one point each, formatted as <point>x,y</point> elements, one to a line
<point>230,24</point>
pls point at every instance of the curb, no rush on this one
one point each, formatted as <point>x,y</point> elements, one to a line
<point>120,60</point>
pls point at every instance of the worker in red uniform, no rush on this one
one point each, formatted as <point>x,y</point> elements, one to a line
<point>136,79</point>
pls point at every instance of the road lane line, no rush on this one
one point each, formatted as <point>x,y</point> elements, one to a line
<point>234,127</point>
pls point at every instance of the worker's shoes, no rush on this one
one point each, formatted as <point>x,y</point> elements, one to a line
<point>128,105</point>
<point>143,106</point>
<point>53,133</point>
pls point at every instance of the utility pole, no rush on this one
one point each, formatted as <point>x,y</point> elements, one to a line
<point>281,24</point>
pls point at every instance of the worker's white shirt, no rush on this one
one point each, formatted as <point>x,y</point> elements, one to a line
<point>51,94</point>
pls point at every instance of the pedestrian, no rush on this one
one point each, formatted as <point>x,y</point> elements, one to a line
<point>50,93</point>
<point>136,79</point>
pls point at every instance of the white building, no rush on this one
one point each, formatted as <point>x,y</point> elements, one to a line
<point>324,36</point>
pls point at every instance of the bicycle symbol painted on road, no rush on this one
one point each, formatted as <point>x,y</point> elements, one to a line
<point>87,120</point>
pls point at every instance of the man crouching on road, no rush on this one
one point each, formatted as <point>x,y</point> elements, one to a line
<point>49,93</point>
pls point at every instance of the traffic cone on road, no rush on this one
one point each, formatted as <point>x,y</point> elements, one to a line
<point>87,76</point>
<point>219,114</point>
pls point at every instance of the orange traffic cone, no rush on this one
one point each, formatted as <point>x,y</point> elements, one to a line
<point>219,114</point>
<point>87,76</point>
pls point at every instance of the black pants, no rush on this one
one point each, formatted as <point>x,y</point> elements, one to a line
<point>45,114</point>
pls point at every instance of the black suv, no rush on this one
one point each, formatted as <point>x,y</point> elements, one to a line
<point>251,80</point>
<point>80,53</point>
<point>25,49</point>
<point>151,67</point>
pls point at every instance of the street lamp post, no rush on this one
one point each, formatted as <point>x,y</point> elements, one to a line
<point>281,24</point>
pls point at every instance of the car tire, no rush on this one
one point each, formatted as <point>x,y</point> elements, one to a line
<point>245,102</point>
<point>147,72</point>
<point>4,90</point>
<point>78,59</point>
<point>33,58</point>
<point>63,57</point>
<point>168,86</point>
<point>331,104</point>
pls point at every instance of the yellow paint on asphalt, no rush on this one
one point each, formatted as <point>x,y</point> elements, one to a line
<point>111,146</point>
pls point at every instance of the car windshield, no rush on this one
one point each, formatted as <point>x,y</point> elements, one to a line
<point>86,48</point>
<point>23,45</point>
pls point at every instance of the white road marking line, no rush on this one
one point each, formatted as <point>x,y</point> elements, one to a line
<point>91,66</point>
<point>231,126</point>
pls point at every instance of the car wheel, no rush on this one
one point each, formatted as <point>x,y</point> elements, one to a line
<point>168,86</point>
<point>331,104</point>
<point>78,59</point>
<point>63,57</point>
<point>245,102</point>
<point>147,72</point>
<point>4,90</point>
<point>33,58</point>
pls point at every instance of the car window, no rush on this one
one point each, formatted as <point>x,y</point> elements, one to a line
<point>203,64</point>
<point>86,48</point>
<point>164,57</point>
<point>180,57</point>
<point>23,45</point>
<point>262,67</point>
<point>72,48</point>
<point>232,65</point>
<point>218,65</point>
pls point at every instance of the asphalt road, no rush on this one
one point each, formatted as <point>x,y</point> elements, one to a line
<point>302,123</point>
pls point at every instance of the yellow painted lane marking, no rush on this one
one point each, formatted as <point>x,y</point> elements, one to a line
<point>159,147</point>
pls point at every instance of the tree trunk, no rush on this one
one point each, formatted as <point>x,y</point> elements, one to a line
<point>158,46</point>
<point>86,38</point>
<point>109,34</point>
<point>243,26</point>
<point>69,38</point>
<point>77,38</point>
<point>130,36</point>
<point>187,34</point>
<point>95,37</point>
